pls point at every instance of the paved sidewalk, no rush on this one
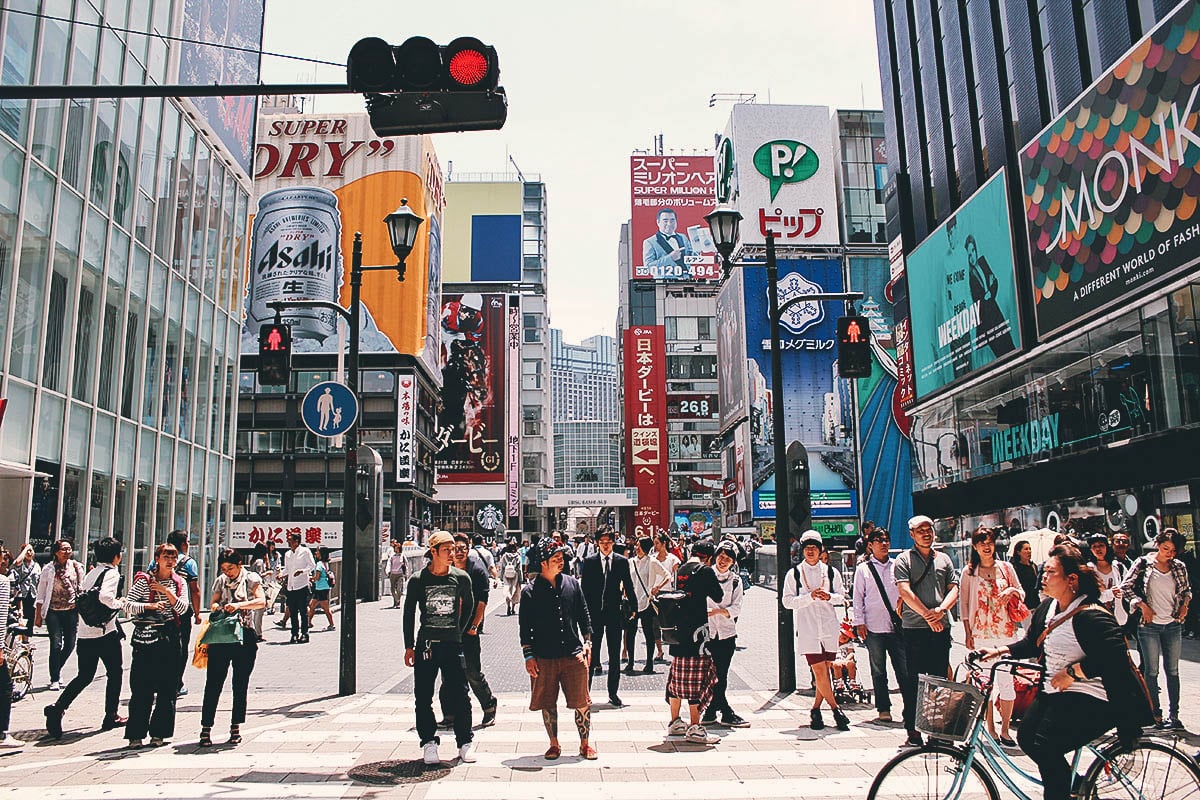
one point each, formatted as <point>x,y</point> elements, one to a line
<point>301,741</point>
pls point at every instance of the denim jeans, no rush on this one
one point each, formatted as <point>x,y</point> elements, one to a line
<point>1161,642</point>
<point>62,627</point>
<point>881,646</point>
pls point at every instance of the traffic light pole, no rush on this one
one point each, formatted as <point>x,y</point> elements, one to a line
<point>347,654</point>
<point>783,522</point>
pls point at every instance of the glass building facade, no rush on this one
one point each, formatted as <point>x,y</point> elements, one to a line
<point>122,234</point>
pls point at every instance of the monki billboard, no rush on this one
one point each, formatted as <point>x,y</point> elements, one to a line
<point>1112,186</point>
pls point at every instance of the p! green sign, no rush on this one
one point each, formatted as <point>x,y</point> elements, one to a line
<point>785,161</point>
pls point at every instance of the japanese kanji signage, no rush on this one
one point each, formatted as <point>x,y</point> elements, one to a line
<point>645,363</point>
<point>668,235</point>
<point>512,339</point>
<point>406,416</point>
<point>243,535</point>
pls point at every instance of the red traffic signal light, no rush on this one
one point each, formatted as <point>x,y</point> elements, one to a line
<point>274,354</point>
<point>471,65</point>
<point>854,347</point>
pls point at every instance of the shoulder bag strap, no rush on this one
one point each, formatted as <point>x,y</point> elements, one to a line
<point>896,621</point>
<point>928,566</point>
<point>1051,626</point>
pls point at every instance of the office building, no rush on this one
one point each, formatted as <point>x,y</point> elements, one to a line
<point>1049,364</point>
<point>122,244</point>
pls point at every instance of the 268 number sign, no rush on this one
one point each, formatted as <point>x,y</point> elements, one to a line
<point>692,406</point>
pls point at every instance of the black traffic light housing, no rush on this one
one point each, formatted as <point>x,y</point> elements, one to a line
<point>854,347</point>
<point>423,87</point>
<point>274,354</point>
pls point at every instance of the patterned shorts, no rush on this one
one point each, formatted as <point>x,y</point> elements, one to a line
<point>692,678</point>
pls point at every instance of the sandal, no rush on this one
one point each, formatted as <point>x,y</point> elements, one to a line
<point>206,736</point>
<point>589,753</point>
<point>235,734</point>
<point>552,753</point>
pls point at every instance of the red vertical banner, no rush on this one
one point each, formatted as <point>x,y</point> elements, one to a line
<point>645,371</point>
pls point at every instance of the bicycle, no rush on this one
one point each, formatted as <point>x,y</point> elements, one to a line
<point>961,757</point>
<point>18,657</point>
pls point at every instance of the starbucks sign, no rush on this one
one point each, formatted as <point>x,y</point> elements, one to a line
<point>490,516</point>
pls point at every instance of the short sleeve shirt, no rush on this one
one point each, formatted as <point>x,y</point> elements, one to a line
<point>237,591</point>
<point>932,589</point>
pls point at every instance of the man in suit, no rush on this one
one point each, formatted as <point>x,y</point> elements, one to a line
<point>606,583</point>
<point>666,249</point>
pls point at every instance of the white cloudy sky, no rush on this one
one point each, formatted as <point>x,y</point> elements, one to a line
<point>588,83</point>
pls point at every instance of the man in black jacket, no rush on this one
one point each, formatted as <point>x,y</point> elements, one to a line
<point>608,591</point>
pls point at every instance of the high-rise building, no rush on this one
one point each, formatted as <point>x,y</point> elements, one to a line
<point>122,244</point>
<point>587,421</point>
<point>319,180</point>
<point>495,427</point>
<point>1043,258</point>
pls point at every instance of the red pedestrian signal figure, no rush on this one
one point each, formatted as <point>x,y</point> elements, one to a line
<point>854,347</point>
<point>274,354</point>
<point>852,331</point>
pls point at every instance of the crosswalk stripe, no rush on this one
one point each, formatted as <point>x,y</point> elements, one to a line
<point>482,738</point>
<point>656,790</point>
<point>698,758</point>
<point>304,790</point>
<point>277,762</point>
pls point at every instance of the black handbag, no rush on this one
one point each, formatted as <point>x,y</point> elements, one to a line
<point>153,628</point>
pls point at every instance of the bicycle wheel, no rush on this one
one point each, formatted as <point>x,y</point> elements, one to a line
<point>1150,771</point>
<point>933,772</point>
<point>21,670</point>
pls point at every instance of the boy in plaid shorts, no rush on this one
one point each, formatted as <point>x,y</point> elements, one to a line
<point>693,676</point>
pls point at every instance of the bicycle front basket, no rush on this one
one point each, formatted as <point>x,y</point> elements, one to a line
<point>945,709</point>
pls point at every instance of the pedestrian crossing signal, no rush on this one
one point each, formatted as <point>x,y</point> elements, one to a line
<point>854,347</point>
<point>274,354</point>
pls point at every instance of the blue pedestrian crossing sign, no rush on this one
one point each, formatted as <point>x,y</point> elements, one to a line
<point>329,409</point>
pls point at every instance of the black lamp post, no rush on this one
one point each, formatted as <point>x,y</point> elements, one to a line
<point>724,223</point>
<point>402,227</point>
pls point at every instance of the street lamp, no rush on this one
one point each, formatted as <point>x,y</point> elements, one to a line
<point>724,221</point>
<point>402,225</point>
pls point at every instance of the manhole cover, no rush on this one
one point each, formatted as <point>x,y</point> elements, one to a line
<point>387,773</point>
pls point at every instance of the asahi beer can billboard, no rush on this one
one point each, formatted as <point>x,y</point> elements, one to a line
<point>296,255</point>
<point>321,179</point>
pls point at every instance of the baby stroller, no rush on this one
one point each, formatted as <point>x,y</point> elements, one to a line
<point>846,688</point>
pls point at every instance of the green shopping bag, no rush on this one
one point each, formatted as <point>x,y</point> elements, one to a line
<point>223,628</point>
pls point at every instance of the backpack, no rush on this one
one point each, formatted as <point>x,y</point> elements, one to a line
<point>91,610</point>
<point>510,565</point>
<point>796,576</point>
<point>681,619</point>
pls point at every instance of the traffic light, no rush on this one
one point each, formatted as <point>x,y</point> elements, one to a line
<point>423,87</point>
<point>854,347</point>
<point>274,354</point>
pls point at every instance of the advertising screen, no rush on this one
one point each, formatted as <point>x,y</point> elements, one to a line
<point>1112,186</point>
<point>731,350</point>
<point>645,391</point>
<point>470,431</point>
<point>670,239</point>
<point>961,287</point>
<point>777,165</point>
<point>219,44</point>
<point>483,232</point>
<point>818,411</point>
<point>319,180</point>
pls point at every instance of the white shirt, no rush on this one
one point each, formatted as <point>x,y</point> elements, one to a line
<point>1062,649</point>
<point>662,573</point>
<point>816,621</point>
<point>108,596</point>
<point>640,573</point>
<point>1160,593</point>
<point>297,564</point>
<point>869,607</point>
<point>719,625</point>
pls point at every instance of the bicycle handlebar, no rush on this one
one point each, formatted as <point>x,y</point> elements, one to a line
<point>974,658</point>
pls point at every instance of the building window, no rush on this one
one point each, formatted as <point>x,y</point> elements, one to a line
<point>533,429</point>
<point>533,328</point>
<point>267,505</point>
<point>531,374</point>
<point>531,413</point>
<point>642,309</point>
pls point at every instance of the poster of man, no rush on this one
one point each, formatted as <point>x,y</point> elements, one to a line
<point>470,418</point>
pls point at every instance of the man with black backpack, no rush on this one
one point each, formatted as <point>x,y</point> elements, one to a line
<point>684,620</point>
<point>99,639</point>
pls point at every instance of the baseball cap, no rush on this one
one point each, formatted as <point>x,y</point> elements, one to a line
<point>811,537</point>
<point>704,548</point>
<point>439,538</point>
<point>728,548</point>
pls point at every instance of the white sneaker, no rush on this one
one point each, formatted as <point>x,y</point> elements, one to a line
<point>431,754</point>
<point>9,743</point>
<point>697,734</point>
<point>55,686</point>
<point>466,753</point>
<point>677,727</point>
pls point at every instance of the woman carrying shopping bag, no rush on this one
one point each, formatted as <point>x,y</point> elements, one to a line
<point>231,642</point>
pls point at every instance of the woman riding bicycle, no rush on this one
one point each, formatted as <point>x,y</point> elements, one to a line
<point>1092,685</point>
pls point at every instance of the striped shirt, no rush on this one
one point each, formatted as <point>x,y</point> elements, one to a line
<point>139,598</point>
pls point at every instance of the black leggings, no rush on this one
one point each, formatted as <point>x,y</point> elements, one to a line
<point>91,652</point>
<point>649,630</point>
<point>1055,725</point>
<point>721,651</point>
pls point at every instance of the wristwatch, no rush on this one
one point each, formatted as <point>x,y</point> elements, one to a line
<point>1074,673</point>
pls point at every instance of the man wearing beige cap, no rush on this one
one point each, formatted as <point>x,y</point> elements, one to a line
<point>443,594</point>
